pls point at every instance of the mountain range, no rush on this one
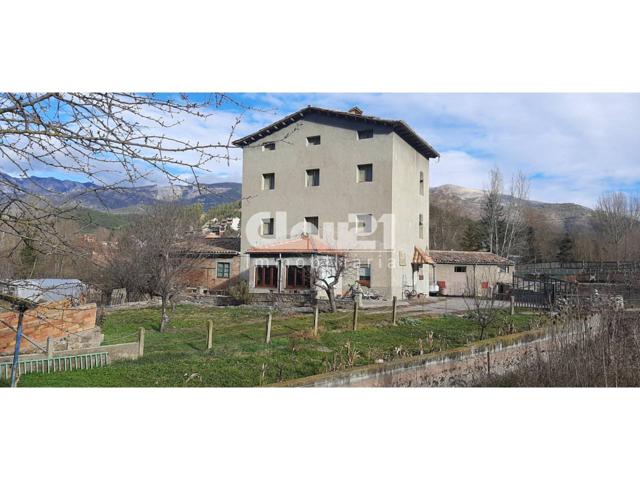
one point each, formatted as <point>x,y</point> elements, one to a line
<point>469,201</point>
<point>123,199</point>
<point>562,216</point>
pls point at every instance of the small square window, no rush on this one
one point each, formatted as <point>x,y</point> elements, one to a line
<point>504,269</point>
<point>364,134</point>
<point>365,172</point>
<point>420,226</point>
<point>421,183</point>
<point>268,146</point>
<point>315,140</point>
<point>313,177</point>
<point>311,225</point>
<point>460,268</point>
<point>224,269</point>
<point>268,181</point>
<point>267,226</point>
<point>364,223</point>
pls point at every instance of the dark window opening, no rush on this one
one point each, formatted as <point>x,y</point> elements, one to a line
<point>268,181</point>
<point>364,275</point>
<point>267,276</point>
<point>268,146</point>
<point>311,225</point>
<point>420,226</point>
<point>299,277</point>
<point>267,226</point>
<point>421,183</point>
<point>460,268</point>
<point>364,223</point>
<point>364,134</point>
<point>313,177</point>
<point>315,140</point>
<point>224,270</point>
<point>365,172</point>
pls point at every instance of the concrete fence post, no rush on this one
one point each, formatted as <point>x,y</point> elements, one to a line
<point>393,307</point>
<point>315,320</point>
<point>512,305</point>
<point>267,338</point>
<point>49,348</point>
<point>141,342</point>
<point>210,335</point>
<point>355,316</point>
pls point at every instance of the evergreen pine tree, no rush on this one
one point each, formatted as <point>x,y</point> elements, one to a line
<point>565,249</point>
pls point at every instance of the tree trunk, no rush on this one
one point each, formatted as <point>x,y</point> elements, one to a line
<point>332,300</point>
<point>165,316</point>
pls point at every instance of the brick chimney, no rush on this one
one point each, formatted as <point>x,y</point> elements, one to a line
<point>355,111</point>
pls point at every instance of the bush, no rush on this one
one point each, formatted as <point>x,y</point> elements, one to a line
<point>240,293</point>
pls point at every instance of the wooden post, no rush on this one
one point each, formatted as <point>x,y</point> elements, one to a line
<point>141,342</point>
<point>488,363</point>
<point>49,348</point>
<point>355,316</point>
<point>315,320</point>
<point>393,315</point>
<point>210,335</point>
<point>512,301</point>
<point>268,332</point>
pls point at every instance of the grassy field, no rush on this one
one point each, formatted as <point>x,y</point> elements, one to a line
<point>240,358</point>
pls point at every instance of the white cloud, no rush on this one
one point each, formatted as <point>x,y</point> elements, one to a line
<point>574,146</point>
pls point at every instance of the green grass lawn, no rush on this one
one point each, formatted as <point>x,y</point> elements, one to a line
<point>240,358</point>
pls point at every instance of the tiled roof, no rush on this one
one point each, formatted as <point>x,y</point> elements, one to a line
<point>301,244</point>
<point>223,245</point>
<point>398,126</point>
<point>468,258</point>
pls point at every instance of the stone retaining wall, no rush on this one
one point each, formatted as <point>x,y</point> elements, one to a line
<point>453,368</point>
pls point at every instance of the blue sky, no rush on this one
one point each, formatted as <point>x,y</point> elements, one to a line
<point>573,147</point>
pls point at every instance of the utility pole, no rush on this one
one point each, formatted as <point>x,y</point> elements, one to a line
<point>21,307</point>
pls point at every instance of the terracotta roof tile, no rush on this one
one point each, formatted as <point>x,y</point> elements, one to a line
<point>468,258</point>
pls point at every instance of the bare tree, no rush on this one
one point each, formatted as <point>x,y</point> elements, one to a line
<point>155,255</point>
<point>504,216</point>
<point>109,140</point>
<point>446,225</point>
<point>482,305</point>
<point>326,272</point>
<point>616,216</point>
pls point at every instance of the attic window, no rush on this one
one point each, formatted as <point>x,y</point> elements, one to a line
<point>364,134</point>
<point>268,146</point>
<point>315,140</point>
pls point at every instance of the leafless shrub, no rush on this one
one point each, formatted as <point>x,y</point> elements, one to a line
<point>583,354</point>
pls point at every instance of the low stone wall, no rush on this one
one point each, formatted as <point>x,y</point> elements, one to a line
<point>122,351</point>
<point>56,320</point>
<point>453,368</point>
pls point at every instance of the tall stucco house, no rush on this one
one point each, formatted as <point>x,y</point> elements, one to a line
<point>358,182</point>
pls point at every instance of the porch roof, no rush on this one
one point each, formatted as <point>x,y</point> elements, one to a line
<point>421,257</point>
<point>304,244</point>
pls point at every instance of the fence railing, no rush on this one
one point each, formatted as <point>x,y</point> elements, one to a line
<point>57,364</point>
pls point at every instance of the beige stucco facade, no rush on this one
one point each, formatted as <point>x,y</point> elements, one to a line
<point>478,279</point>
<point>393,197</point>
